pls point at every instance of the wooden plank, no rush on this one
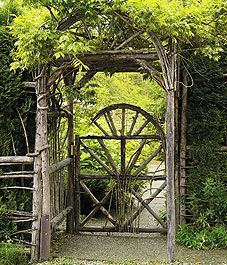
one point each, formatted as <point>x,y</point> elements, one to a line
<point>15,160</point>
<point>45,238</point>
<point>126,137</point>
<point>18,172</point>
<point>114,130</point>
<point>142,201</point>
<point>100,128</point>
<point>170,172</point>
<point>59,165</point>
<point>16,187</point>
<point>37,180</point>
<point>183,147</point>
<point>140,177</point>
<point>123,122</point>
<point>123,157</point>
<point>71,178</point>
<point>116,230</point>
<point>29,84</point>
<point>141,127</point>
<point>222,149</point>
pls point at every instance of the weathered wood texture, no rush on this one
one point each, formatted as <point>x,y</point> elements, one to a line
<point>60,217</point>
<point>60,165</point>
<point>69,79</point>
<point>14,160</point>
<point>116,60</point>
<point>169,73</point>
<point>41,183</point>
<point>77,184</point>
<point>183,147</point>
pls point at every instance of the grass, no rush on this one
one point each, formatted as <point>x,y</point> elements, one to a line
<point>12,254</point>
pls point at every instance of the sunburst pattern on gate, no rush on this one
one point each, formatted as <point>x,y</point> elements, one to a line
<point>133,133</point>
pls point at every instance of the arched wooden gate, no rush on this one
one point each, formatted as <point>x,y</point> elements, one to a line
<point>120,155</point>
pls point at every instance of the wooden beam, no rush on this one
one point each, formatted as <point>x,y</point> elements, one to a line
<point>116,230</point>
<point>59,165</point>
<point>15,160</point>
<point>16,176</point>
<point>60,217</point>
<point>114,60</point>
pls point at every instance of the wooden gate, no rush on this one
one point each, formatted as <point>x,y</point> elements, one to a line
<point>130,139</point>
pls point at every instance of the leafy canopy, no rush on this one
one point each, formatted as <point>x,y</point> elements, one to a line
<point>49,29</point>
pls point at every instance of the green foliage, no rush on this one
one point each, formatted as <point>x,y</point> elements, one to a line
<point>104,90</point>
<point>202,24</point>
<point>14,99</point>
<point>50,29</point>
<point>207,198</point>
<point>11,254</point>
<point>207,190</point>
<point>206,238</point>
<point>6,226</point>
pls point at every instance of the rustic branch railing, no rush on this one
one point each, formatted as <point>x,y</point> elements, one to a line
<point>60,165</point>
<point>60,217</point>
<point>11,160</point>
<point>59,207</point>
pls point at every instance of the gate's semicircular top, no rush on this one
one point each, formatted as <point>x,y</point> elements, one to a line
<point>125,120</point>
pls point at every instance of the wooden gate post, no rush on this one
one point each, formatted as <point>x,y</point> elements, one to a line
<point>170,172</point>
<point>183,147</point>
<point>169,64</point>
<point>69,79</point>
<point>41,232</point>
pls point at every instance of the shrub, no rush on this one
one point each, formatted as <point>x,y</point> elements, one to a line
<point>11,254</point>
<point>206,238</point>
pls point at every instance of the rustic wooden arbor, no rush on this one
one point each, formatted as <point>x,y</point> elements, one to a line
<point>120,61</point>
<point>49,205</point>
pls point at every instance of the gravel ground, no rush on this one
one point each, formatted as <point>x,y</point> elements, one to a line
<point>138,248</point>
<point>129,249</point>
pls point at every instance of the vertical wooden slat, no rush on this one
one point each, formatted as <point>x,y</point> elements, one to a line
<point>183,145</point>
<point>77,184</point>
<point>123,129</point>
<point>45,238</point>
<point>170,171</point>
<point>69,79</point>
<point>45,242</point>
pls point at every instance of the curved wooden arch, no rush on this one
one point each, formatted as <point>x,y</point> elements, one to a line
<point>124,106</point>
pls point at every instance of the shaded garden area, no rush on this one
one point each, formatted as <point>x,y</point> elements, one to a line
<point>63,61</point>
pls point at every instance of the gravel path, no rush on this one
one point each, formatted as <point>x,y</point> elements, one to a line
<point>139,248</point>
<point>94,248</point>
